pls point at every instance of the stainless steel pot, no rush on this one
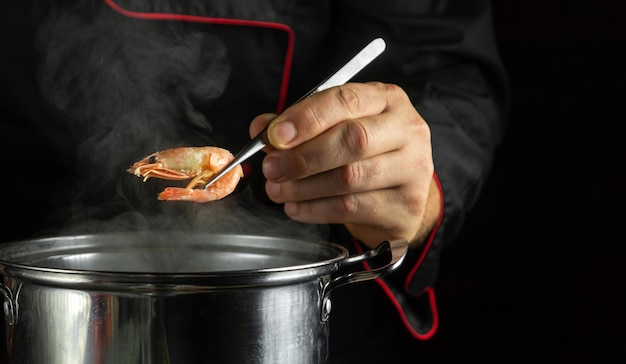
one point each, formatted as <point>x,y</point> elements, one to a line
<point>175,297</point>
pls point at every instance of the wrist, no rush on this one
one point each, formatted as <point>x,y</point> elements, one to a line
<point>432,213</point>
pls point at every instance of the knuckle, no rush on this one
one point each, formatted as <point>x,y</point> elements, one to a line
<point>356,137</point>
<point>347,205</point>
<point>395,95</point>
<point>354,176</point>
<point>350,176</point>
<point>350,100</point>
<point>413,198</point>
<point>413,203</point>
<point>393,91</point>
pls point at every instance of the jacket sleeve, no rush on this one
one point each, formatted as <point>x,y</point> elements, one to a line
<point>444,55</point>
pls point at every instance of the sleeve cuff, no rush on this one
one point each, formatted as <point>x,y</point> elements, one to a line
<point>415,303</point>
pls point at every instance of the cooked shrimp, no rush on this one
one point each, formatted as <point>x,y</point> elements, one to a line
<point>196,163</point>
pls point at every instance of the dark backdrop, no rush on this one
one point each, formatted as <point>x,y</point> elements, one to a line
<point>538,272</point>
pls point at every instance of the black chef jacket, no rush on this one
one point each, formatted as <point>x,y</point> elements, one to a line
<point>245,58</point>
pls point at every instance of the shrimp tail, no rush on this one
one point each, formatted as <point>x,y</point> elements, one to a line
<point>189,194</point>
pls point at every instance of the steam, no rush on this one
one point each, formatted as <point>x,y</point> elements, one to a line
<point>128,85</point>
<point>125,88</point>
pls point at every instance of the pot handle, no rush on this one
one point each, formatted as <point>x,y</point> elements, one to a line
<point>383,259</point>
<point>9,303</point>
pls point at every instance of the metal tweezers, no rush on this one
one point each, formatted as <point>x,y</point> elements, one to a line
<point>343,75</point>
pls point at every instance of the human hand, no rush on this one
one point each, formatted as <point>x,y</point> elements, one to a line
<point>358,155</point>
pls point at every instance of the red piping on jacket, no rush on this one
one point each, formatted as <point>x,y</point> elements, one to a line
<point>430,291</point>
<point>225,21</point>
<point>281,104</point>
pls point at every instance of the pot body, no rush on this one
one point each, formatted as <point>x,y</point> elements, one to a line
<point>273,324</point>
<point>139,298</point>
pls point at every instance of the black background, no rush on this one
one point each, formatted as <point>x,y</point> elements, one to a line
<point>538,272</point>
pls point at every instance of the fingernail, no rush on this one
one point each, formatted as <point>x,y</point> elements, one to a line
<point>273,168</point>
<point>282,133</point>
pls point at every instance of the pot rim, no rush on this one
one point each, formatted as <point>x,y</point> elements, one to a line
<point>14,258</point>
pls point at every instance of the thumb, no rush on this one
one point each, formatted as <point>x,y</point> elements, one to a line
<point>259,123</point>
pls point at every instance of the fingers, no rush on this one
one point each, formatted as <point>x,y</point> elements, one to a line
<point>358,155</point>
<point>381,121</point>
<point>320,112</point>
<point>360,176</point>
<point>353,140</point>
<point>258,124</point>
<point>403,212</point>
<point>386,211</point>
<point>358,192</point>
<point>370,213</point>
